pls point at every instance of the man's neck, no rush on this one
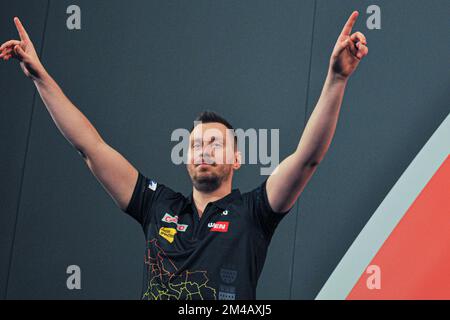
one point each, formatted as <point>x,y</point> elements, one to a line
<point>201,199</point>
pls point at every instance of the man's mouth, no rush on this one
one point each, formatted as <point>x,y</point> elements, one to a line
<point>204,164</point>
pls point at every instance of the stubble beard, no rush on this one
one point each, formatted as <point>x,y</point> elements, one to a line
<point>210,182</point>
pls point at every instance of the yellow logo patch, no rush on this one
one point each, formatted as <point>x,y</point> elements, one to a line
<point>168,233</point>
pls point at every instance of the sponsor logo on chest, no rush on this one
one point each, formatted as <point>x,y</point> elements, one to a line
<point>168,233</point>
<point>219,226</point>
<point>174,219</point>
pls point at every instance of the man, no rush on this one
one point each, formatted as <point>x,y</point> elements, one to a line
<point>213,243</point>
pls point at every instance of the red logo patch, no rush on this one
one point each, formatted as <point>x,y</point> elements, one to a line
<point>220,226</point>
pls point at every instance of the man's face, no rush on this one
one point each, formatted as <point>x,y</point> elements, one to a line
<point>212,156</point>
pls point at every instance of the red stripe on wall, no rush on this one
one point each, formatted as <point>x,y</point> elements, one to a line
<point>414,261</point>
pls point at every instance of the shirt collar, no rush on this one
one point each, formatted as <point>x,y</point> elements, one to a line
<point>221,203</point>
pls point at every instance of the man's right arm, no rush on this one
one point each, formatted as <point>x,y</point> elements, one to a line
<point>112,170</point>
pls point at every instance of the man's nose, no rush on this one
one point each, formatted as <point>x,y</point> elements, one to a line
<point>206,150</point>
<point>204,154</point>
<point>207,157</point>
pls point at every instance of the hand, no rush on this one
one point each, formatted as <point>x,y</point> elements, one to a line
<point>23,51</point>
<point>349,50</point>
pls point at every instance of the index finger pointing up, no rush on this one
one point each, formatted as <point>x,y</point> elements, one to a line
<point>350,23</point>
<point>23,34</point>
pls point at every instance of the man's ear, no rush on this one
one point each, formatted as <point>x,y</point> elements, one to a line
<point>237,160</point>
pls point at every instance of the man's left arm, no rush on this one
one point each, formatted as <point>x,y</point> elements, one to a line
<point>289,179</point>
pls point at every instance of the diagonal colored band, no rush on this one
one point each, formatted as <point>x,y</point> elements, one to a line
<point>388,215</point>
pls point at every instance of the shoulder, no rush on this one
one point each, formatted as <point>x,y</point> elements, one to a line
<point>157,190</point>
<point>256,192</point>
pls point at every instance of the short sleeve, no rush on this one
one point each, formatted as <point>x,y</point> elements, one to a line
<point>266,219</point>
<point>145,193</point>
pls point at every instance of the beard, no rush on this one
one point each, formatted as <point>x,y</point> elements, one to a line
<point>210,181</point>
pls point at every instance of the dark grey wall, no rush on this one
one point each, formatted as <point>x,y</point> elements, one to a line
<point>17,102</point>
<point>140,69</point>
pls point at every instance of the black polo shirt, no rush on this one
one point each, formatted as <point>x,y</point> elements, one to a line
<point>218,256</point>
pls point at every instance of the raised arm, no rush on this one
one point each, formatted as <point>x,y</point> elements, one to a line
<point>112,170</point>
<point>289,179</point>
